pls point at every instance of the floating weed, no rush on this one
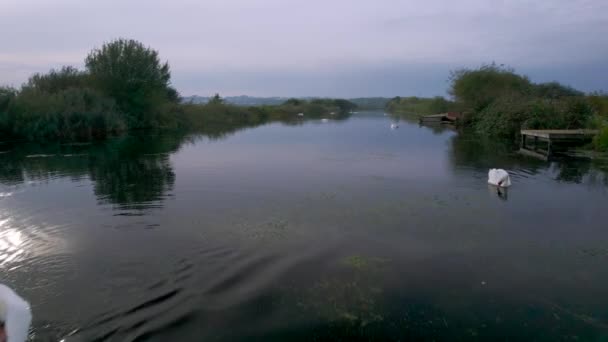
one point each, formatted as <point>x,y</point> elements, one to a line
<point>271,229</point>
<point>594,252</point>
<point>363,263</point>
<point>340,300</point>
<point>350,298</point>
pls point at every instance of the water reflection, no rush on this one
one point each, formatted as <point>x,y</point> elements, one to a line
<point>414,119</point>
<point>10,243</point>
<point>326,231</point>
<point>468,150</point>
<point>134,172</point>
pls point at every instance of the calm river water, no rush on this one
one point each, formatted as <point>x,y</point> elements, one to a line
<point>341,230</point>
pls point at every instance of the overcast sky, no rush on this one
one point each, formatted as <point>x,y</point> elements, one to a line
<point>342,48</point>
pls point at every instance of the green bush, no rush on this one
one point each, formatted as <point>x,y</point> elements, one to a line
<point>7,95</point>
<point>478,88</point>
<point>499,102</point>
<point>601,140</point>
<point>58,80</point>
<point>599,103</point>
<point>555,90</point>
<point>71,114</point>
<point>126,86</point>
<point>505,116</point>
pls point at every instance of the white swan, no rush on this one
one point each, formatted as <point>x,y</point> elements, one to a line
<point>394,126</point>
<point>499,177</point>
<point>15,314</point>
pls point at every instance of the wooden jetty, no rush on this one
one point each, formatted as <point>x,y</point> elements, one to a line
<point>544,143</point>
<point>449,117</point>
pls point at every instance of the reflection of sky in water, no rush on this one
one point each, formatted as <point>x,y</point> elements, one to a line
<point>11,243</point>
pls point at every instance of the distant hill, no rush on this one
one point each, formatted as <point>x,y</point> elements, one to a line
<point>244,100</point>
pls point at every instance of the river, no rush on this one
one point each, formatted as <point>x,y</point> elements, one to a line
<point>342,230</point>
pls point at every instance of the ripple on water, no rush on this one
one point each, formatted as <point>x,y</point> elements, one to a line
<point>206,281</point>
<point>22,241</point>
<point>6,194</point>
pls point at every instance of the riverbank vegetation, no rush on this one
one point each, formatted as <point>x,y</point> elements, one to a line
<point>125,86</point>
<point>496,101</point>
<point>414,105</point>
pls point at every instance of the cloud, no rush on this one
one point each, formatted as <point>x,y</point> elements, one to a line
<point>306,46</point>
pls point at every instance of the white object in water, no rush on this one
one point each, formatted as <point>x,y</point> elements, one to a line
<point>394,126</point>
<point>324,120</point>
<point>16,315</point>
<point>499,177</point>
<point>300,114</point>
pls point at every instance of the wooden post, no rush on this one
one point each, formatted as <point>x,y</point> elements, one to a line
<point>535,143</point>
<point>549,148</point>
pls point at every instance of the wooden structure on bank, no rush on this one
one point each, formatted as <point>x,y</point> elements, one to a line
<point>544,143</point>
<point>449,117</point>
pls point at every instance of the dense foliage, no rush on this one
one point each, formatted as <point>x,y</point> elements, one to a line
<point>59,105</point>
<point>125,86</point>
<point>216,112</point>
<point>480,87</point>
<point>135,78</point>
<point>499,102</point>
<point>599,103</point>
<point>496,101</point>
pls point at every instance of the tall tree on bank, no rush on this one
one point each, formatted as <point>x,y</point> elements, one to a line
<point>133,75</point>
<point>477,88</point>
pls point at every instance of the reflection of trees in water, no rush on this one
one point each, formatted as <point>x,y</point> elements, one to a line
<point>471,151</point>
<point>580,171</point>
<point>437,128</point>
<point>25,161</point>
<point>132,171</point>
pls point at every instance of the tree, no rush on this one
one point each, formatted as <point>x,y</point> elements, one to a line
<point>345,106</point>
<point>294,102</point>
<point>216,100</point>
<point>133,75</point>
<point>555,90</point>
<point>439,105</point>
<point>58,80</point>
<point>477,88</point>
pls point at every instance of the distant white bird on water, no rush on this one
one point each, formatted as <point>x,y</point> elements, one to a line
<point>15,316</point>
<point>499,178</point>
<point>300,114</point>
<point>324,120</point>
<point>394,126</point>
